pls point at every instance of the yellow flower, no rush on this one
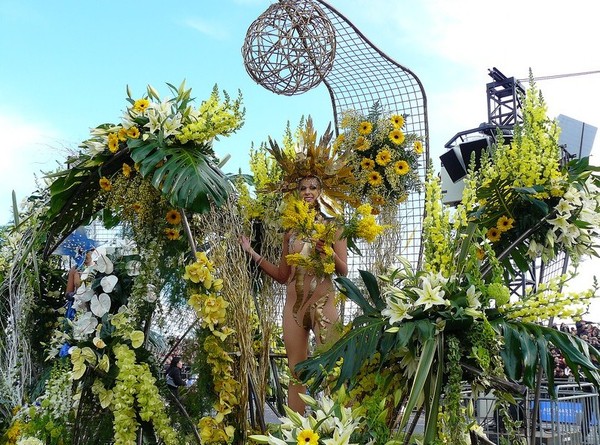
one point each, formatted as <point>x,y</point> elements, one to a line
<point>172,234</point>
<point>173,217</point>
<point>122,134</point>
<point>505,223</point>
<point>365,128</point>
<point>397,120</point>
<point>113,142</point>
<point>493,234</point>
<point>126,170</point>
<point>375,179</point>
<point>377,200</point>
<point>383,157</point>
<point>308,437</point>
<point>480,253</point>
<point>136,207</point>
<point>133,133</point>
<point>396,136</point>
<point>329,268</point>
<point>105,184</point>
<point>401,167</point>
<point>141,104</point>
<point>361,143</point>
<point>367,164</point>
<point>418,147</point>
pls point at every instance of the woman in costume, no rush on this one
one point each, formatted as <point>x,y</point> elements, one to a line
<point>318,176</point>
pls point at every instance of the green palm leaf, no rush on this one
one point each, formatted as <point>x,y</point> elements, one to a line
<point>73,195</point>
<point>188,177</point>
<point>527,344</point>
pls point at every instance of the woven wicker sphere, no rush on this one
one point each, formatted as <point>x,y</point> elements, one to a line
<point>290,47</point>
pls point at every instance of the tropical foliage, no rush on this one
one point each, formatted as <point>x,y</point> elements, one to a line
<point>455,320</point>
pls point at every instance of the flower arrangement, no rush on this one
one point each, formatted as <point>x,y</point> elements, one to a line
<point>384,158</point>
<point>529,185</point>
<point>211,309</point>
<point>310,226</point>
<point>103,338</point>
<point>328,424</point>
<point>455,320</point>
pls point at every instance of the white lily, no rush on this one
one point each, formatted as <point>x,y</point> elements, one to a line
<point>429,296</point>
<point>396,310</point>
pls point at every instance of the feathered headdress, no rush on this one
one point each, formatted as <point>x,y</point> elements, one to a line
<point>321,160</point>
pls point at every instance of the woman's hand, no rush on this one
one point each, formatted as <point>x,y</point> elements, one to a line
<point>245,243</point>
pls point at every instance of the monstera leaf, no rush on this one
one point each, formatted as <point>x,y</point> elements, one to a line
<point>186,175</point>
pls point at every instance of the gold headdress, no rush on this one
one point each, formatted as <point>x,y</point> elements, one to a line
<point>323,161</point>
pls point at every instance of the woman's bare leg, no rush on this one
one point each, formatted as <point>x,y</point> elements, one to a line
<point>295,339</point>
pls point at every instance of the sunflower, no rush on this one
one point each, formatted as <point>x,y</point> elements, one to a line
<point>397,120</point>
<point>505,223</point>
<point>401,167</point>
<point>418,147</point>
<point>105,184</point>
<point>308,437</point>
<point>361,143</point>
<point>365,127</point>
<point>383,157</point>
<point>172,234</point>
<point>113,142</point>
<point>377,200</point>
<point>396,136</point>
<point>133,133</point>
<point>367,164</point>
<point>493,234</point>
<point>126,170</point>
<point>141,104</point>
<point>375,179</point>
<point>173,217</point>
<point>122,134</point>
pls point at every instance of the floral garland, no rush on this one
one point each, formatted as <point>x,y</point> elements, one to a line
<point>384,158</point>
<point>211,309</point>
<point>104,337</point>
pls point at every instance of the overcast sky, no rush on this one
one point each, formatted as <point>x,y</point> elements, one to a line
<point>64,67</point>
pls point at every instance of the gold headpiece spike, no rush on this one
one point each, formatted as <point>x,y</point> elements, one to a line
<point>314,159</point>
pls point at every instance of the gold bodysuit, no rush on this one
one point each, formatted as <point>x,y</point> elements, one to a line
<point>311,292</point>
